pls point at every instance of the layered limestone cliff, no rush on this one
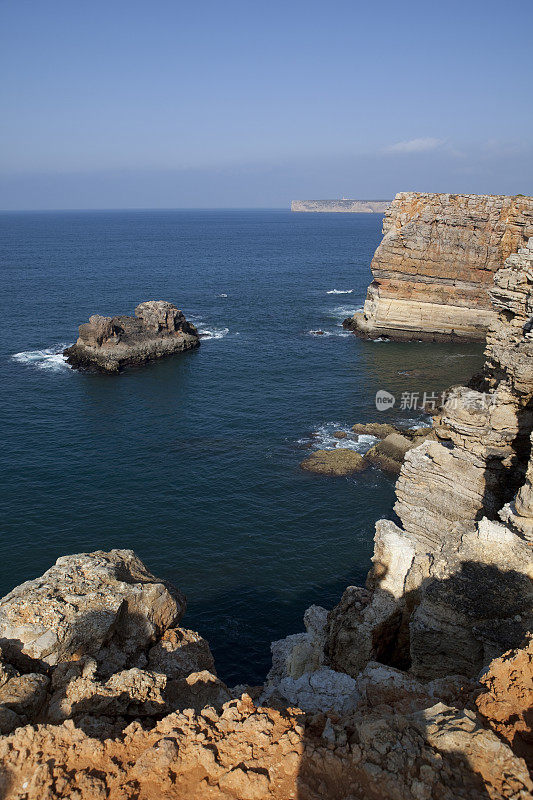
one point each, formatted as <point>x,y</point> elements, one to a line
<point>342,206</point>
<point>108,344</point>
<point>436,263</point>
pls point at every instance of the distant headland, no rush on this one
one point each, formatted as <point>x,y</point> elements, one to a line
<point>344,205</point>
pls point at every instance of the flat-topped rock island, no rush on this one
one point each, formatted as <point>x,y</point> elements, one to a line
<point>108,344</point>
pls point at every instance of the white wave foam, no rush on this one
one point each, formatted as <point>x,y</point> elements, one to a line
<point>213,333</point>
<point>340,313</point>
<point>323,439</point>
<point>340,291</point>
<point>50,358</point>
<point>222,295</point>
<point>321,332</point>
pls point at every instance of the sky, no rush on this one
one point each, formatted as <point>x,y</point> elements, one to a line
<point>226,103</point>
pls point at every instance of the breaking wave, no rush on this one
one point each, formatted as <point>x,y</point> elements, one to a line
<point>323,438</point>
<point>340,291</point>
<point>213,333</point>
<point>50,358</point>
<point>320,332</point>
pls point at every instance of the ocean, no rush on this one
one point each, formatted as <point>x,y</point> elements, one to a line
<point>193,461</point>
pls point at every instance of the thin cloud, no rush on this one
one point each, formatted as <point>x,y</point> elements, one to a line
<point>422,145</point>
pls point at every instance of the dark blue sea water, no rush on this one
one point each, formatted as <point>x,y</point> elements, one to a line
<point>193,461</point>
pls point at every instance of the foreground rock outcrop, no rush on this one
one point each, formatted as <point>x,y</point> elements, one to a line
<point>98,636</point>
<point>108,344</point>
<point>74,728</point>
<point>436,262</point>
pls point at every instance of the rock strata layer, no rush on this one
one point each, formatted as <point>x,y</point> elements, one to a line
<point>436,262</point>
<point>108,344</point>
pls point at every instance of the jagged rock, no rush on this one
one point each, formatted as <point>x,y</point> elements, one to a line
<point>130,693</point>
<point>108,344</point>
<point>301,652</point>
<point>458,734</point>
<point>179,652</point>
<point>506,704</point>
<point>21,699</point>
<point>519,513</point>
<point>390,452</point>
<point>107,605</point>
<point>100,625</point>
<point>481,608</point>
<point>340,461</point>
<point>436,262</point>
<point>254,753</point>
<point>439,487</point>
<point>379,429</point>
<point>198,690</point>
<point>364,625</point>
<point>321,690</point>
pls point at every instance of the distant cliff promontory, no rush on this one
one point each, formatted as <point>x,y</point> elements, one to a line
<point>344,205</point>
<point>436,263</point>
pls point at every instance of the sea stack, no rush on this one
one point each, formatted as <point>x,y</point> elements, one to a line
<point>108,344</point>
<point>436,263</point>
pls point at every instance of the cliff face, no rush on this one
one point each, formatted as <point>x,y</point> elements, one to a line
<point>350,206</point>
<point>436,262</point>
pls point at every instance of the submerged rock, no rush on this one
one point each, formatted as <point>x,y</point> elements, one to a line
<point>340,461</point>
<point>108,344</point>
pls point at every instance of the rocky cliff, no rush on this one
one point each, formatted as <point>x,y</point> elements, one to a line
<point>417,687</point>
<point>436,263</point>
<point>108,344</point>
<point>342,206</point>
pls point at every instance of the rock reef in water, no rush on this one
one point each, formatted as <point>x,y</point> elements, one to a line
<point>416,687</point>
<point>339,461</point>
<point>341,206</point>
<point>108,344</point>
<point>436,262</point>
<point>387,454</point>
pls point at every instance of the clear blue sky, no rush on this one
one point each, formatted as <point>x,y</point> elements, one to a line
<point>229,103</point>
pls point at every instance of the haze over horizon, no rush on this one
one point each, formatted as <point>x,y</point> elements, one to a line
<point>131,105</point>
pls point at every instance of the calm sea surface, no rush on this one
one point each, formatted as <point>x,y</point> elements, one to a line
<point>193,461</point>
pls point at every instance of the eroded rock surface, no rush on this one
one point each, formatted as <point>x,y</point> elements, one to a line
<point>107,344</point>
<point>97,635</point>
<point>340,461</point>
<point>436,262</point>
